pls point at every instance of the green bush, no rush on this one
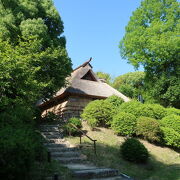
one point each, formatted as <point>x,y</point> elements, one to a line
<point>124,124</point>
<point>138,109</point>
<point>93,123</point>
<point>171,121</point>
<point>21,146</point>
<point>155,111</point>
<point>131,107</point>
<point>50,117</point>
<point>173,111</point>
<point>19,149</point>
<point>69,129</point>
<point>148,128</point>
<point>17,116</point>
<point>171,137</point>
<point>115,100</point>
<point>133,150</point>
<point>100,111</point>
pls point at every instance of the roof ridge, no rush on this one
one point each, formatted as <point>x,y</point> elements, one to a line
<point>84,64</point>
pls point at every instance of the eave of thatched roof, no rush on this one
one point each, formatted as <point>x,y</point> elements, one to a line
<point>83,87</point>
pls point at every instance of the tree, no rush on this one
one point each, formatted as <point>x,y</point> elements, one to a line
<point>130,84</point>
<point>33,59</point>
<point>104,76</point>
<point>152,40</point>
<point>33,64</point>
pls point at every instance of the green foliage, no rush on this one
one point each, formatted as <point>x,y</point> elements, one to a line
<point>50,117</point>
<point>99,113</point>
<point>173,111</point>
<point>130,84</point>
<point>93,122</point>
<point>34,62</point>
<point>69,129</point>
<point>26,18</point>
<point>171,137</point>
<point>133,150</point>
<point>33,65</point>
<point>152,40</point>
<point>27,72</point>
<point>19,148</point>
<point>155,111</point>
<point>104,76</point>
<point>171,121</point>
<point>124,124</point>
<point>131,107</point>
<point>115,101</point>
<point>149,129</point>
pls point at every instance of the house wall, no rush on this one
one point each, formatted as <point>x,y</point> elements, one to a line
<point>70,107</point>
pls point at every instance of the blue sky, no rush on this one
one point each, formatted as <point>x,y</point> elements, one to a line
<point>94,28</point>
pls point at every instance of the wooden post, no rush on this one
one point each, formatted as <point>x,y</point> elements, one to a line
<point>80,138</point>
<point>95,147</point>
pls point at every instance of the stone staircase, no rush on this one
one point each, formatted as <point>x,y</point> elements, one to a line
<point>71,157</point>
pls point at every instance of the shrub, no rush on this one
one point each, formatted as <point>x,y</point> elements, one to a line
<point>133,150</point>
<point>171,121</point>
<point>138,109</point>
<point>114,100</point>
<point>19,149</point>
<point>171,137</point>
<point>93,122</point>
<point>173,111</point>
<point>149,128</point>
<point>131,107</point>
<point>124,123</point>
<point>100,111</point>
<point>69,129</point>
<point>155,111</point>
<point>50,117</point>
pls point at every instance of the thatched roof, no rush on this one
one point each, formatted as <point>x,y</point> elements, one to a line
<point>84,82</point>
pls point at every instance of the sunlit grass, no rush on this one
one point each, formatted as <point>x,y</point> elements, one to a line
<point>164,163</point>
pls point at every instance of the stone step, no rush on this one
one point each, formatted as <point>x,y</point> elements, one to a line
<point>56,136</point>
<point>50,133</point>
<point>95,173</point>
<point>112,178</point>
<point>53,145</point>
<point>66,160</point>
<point>54,141</point>
<point>62,149</point>
<point>80,166</point>
<point>66,154</point>
<point>52,129</point>
<point>48,125</point>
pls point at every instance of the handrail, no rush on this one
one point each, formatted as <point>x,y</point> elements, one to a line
<point>94,141</point>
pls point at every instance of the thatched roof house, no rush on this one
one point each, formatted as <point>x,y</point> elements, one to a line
<point>84,86</point>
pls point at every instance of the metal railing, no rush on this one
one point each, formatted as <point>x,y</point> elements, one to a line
<point>81,135</point>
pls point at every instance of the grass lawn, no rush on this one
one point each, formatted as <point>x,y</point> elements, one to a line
<point>164,163</point>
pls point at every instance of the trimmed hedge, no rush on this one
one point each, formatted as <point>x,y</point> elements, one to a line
<point>171,121</point>
<point>131,107</point>
<point>115,100</point>
<point>124,124</point>
<point>173,111</point>
<point>171,137</point>
<point>133,150</point>
<point>155,111</point>
<point>149,129</point>
<point>100,111</point>
<point>138,109</point>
